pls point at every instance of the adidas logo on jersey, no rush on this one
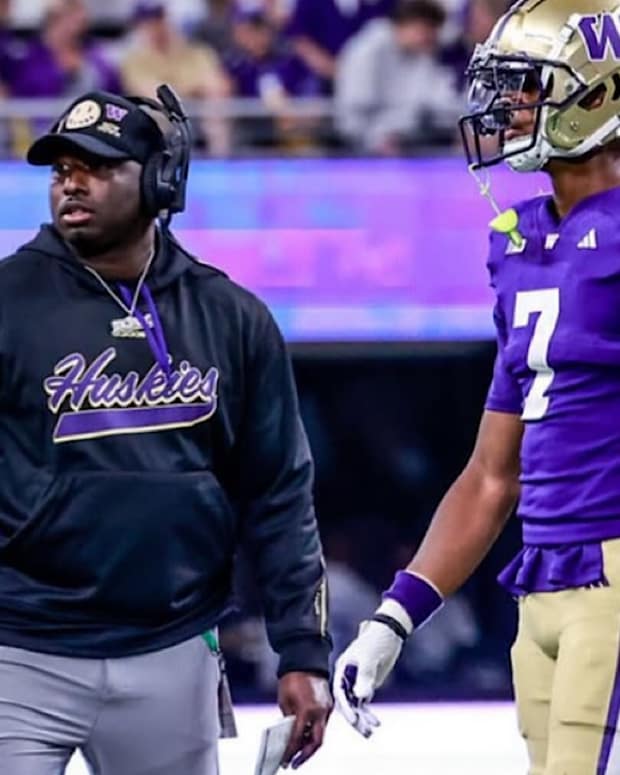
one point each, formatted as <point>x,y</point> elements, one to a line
<point>589,242</point>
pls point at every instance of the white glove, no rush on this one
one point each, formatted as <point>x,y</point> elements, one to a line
<point>362,668</point>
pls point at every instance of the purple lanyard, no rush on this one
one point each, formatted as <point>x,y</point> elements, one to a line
<point>155,336</point>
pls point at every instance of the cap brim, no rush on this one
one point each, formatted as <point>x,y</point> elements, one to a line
<point>48,148</point>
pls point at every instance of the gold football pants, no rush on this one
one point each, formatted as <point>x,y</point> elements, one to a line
<point>567,679</point>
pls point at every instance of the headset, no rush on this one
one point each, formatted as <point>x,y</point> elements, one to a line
<point>164,175</point>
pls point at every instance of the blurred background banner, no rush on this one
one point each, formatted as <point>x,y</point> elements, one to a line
<point>341,250</point>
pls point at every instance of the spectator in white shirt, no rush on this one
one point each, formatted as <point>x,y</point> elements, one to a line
<point>392,93</point>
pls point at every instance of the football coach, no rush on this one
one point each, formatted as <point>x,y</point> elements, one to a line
<point>149,426</point>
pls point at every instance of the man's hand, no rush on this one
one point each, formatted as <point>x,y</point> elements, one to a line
<point>361,669</point>
<point>307,697</point>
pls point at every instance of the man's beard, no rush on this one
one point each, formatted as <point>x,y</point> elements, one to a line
<point>87,243</point>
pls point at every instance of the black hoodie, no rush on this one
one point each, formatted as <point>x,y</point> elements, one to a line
<point>126,484</point>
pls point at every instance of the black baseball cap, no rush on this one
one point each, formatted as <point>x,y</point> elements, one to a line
<point>104,125</point>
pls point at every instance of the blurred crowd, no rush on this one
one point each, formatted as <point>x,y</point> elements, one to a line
<point>294,76</point>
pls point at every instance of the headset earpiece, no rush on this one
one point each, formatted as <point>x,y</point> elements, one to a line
<point>152,200</point>
<point>164,175</point>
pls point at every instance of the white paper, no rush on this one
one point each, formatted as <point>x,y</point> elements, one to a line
<point>272,746</point>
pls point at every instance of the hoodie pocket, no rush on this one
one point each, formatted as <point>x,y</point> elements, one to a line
<point>148,546</point>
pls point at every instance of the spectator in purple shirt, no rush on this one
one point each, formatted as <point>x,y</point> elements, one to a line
<point>61,62</point>
<point>5,18</point>
<point>5,41</point>
<point>12,46</point>
<point>259,59</point>
<point>262,67</point>
<point>320,28</point>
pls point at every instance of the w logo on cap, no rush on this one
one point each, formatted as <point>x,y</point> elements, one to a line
<point>115,112</point>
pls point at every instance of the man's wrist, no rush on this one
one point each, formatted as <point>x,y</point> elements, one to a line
<point>411,600</point>
<point>305,654</point>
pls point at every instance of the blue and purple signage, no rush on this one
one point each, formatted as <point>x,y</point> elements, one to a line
<point>340,250</point>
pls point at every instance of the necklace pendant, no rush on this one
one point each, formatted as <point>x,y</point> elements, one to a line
<point>127,328</point>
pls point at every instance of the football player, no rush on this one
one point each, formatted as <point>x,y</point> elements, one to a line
<point>545,95</point>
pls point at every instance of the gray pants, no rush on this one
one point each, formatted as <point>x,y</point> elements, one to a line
<point>153,714</point>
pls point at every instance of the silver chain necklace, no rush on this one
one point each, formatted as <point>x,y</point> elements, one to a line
<point>131,311</point>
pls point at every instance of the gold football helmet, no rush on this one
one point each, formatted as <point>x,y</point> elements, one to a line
<point>560,61</point>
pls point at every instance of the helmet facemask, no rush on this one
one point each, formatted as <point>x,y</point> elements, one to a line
<point>509,92</point>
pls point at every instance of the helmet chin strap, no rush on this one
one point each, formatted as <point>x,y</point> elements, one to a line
<point>531,160</point>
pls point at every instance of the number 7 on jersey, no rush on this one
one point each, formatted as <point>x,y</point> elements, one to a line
<point>547,304</point>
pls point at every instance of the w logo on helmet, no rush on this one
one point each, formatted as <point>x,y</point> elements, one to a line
<point>600,33</point>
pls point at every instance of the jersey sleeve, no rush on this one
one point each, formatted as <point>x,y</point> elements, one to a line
<point>505,393</point>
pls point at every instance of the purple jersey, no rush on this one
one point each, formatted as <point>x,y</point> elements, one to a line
<point>289,71</point>
<point>24,64</point>
<point>330,23</point>
<point>558,365</point>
